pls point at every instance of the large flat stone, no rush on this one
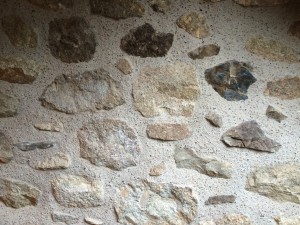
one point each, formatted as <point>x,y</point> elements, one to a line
<point>8,105</point>
<point>6,153</point>
<point>249,135</point>
<point>18,70</point>
<point>17,194</point>
<point>168,131</point>
<point>77,191</point>
<point>53,5</point>
<point>71,40</point>
<point>231,79</point>
<point>109,143</point>
<point>280,182</point>
<point>187,158</point>
<point>117,9</point>
<point>144,41</point>
<point>88,91</point>
<point>161,204</point>
<point>19,33</point>
<point>172,88</point>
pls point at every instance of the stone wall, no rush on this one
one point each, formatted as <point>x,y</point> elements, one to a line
<point>161,112</point>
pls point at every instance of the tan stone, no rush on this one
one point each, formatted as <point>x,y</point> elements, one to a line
<point>194,24</point>
<point>48,126</point>
<point>92,221</point>
<point>6,153</point>
<point>168,131</point>
<point>271,50</point>
<point>233,219</point>
<point>158,169</point>
<point>57,161</point>
<point>125,66</point>
<point>287,221</point>
<point>172,88</point>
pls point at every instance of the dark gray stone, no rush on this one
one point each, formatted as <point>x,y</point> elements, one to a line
<point>28,146</point>
<point>220,199</point>
<point>204,51</point>
<point>230,79</point>
<point>144,41</point>
<point>71,40</point>
<point>117,9</point>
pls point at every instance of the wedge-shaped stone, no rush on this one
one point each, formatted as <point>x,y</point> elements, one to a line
<point>249,135</point>
<point>18,70</point>
<point>194,24</point>
<point>8,105</point>
<point>214,119</point>
<point>109,143</point>
<point>53,5</point>
<point>286,88</point>
<point>279,182</point>
<point>168,131</point>
<point>144,41</point>
<point>172,88</point>
<point>6,153</point>
<point>232,219</point>
<point>71,40</point>
<point>275,114</point>
<point>17,194</point>
<point>261,2</point>
<point>187,158</point>
<point>271,49</point>
<point>204,51</point>
<point>150,203</point>
<point>230,79</point>
<point>117,9</point>
<point>57,161</point>
<point>77,191</point>
<point>89,91</point>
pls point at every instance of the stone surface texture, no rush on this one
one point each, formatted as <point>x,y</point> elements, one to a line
<point>19,70</point>
<point>232,219</point>
<point>261,2</point>
<point>285,88</point>
<point>18,194</point>
<point>172,88</point>
<point>204,51</point>
<point>53,5</point>
<point>71,40</point>
<point>19,33</point>
<point>109,143</point>
<point>194,24</point>
<point>64,218</point>
<point>6,152</point>
<point>185,157</point>
<point>168,131</point>
<point>125,66</point>
<point>279,182</point>
<point>87,91</point>
<point>77,191</point>
<point>144,41</point>
<point>9,105</point>
<point>152,203</point>
<point>48,126</point>
<point>249,135</point>
<point>231,79</point>
<point>275,114</point>
<point>57,161</point>
<point>271,49</point>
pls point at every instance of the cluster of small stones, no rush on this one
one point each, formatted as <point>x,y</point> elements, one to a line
<point>172,89</point>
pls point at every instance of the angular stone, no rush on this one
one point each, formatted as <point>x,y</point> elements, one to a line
<point>71,40</point>
<point>294,29</point>
<point>279,182</point>
<point>233,219</point>
<point>92,221</point>
<point>144,41</point>
<point>29,146</point>
<point>64,218</point>
<point>287,221</point>
<point>117,9</point>
<point>214,119</point>
<point>261,2</point>
<point>17,194</point>
<point>249,135</point>
<point>271,50</point>
<point>8,105</point>
<point>286,88</point>
<point>158,170</point>
<point>89,91</point>
<point>53,5</point>
<point>48,126</point>
<point>18,70</point>
<point>57,161</point>
<point>109,143</point>
<point>160,5</point>
<point>204,51</point>
<point>275,114</point>
<point>172,88</point>
<point>230,79</point>
<point>187,158</point>
<point>19,33</point>
<point>6,153</point>
<point>168,131</point>
<point>220,199</point>
<point>77,191</point>
<point>194,24</point>
<point>124,65</point>
<point>151,203</point>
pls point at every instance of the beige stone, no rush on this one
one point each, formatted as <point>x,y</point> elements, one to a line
<point>214,119</point>
<point>57,161</point>
<point>287,221</point>
<point>48,126</point>
<point>233,219</point>
<point>64,218</point>
<point>125,66</point>
<point>158,169</point>
<point>6,153</point>
<point>168,131</point>
<point>92,221</point>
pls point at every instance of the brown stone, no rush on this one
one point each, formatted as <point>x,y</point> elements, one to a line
<point>8,105</point>
<point>275,114</point>
<point>294,29</point>
<point>160,5</point>
<point>124,65</point>
<point>168,131</point>
<point>286,88</point>
<point>204,51</point>
<point>6,153</point>
<point>53,5</point>
<point>220,199</point>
